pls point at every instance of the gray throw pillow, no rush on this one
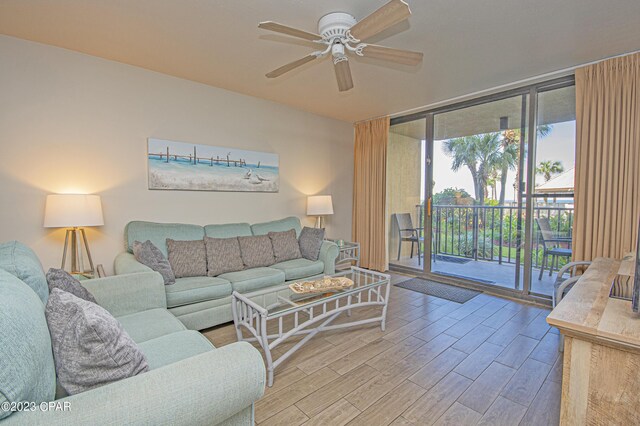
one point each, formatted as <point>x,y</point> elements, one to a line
<point>285,245</point>
<point>187,258</point>
<point>256,251</point>
<point>310,242</point>
<point>223,255</point>
<point>150,255</point>
<point>90,347</point>
<point>59,278</point>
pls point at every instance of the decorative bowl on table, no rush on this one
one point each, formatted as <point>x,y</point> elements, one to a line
<point>321,285</point>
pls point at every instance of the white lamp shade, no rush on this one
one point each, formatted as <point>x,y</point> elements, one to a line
<point>319,205</point>
<point>69,210</point>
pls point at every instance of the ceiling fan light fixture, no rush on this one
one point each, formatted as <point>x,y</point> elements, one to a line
<point>337,49</point>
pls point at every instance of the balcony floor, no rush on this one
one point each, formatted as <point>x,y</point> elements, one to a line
<point>491,273</point>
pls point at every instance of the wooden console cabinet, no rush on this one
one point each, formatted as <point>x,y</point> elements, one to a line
<point>601,368</point>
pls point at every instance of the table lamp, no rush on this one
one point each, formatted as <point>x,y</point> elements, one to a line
<point>74,211</point>
<point>319,206</point>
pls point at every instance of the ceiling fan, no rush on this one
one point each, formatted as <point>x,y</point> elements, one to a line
<point>340,33</point>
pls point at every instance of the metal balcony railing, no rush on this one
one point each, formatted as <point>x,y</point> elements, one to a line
<point>491,233</point>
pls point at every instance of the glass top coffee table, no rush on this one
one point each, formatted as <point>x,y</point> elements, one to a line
<point>273,315</point>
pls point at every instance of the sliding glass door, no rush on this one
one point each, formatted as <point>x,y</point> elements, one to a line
<point>481,193</point>
<point>551,192</point>
<point>477,164</point>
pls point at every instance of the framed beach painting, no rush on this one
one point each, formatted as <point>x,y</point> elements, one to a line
<point>192,167</point>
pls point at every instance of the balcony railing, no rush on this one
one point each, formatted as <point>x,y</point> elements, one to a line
<point>491,233</point>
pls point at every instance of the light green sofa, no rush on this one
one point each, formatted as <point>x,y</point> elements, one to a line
<point>202,302</point>
<point>189,382</point>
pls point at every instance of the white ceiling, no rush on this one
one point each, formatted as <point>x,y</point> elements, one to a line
<point>469,45</point>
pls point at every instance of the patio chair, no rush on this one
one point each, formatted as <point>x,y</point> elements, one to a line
<point>550,243</point>
<point>407,232</point>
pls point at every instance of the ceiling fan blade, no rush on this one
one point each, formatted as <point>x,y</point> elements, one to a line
<point>343,74</point>
<point>290,66</point>
<point>387,16</point>
<point>283,29</point>
<point>406,57</point>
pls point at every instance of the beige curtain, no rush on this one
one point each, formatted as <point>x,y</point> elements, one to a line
<point>607,181</point>
<point>369,192</point>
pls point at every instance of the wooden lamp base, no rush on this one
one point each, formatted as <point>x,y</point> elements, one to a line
<point>75,240</point>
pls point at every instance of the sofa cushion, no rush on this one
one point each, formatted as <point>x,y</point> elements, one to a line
<point>196,289</point>
<point>20,261</point>
<point>254,279</point>
<point>256,251</point>
<point>90,347</point>
<point>228,230</point>
<point>223,255</point>
<point>174,347</point>
<point>28,372</point>
<point>158,233</point>
<point>285,245</point>
<point>57,278</point>
<point>277,226</point>
<point>310,241</point>
<point>149,255</point>
<point>149,324</point>
<point>187,258</point>
<point>300,268</point>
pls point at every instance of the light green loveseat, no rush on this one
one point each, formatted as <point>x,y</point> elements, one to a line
<point>189,382</point>
<point>202,302</point>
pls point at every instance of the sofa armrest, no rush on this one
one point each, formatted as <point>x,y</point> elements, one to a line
<point>204,389</point>
<point>328,255</point>
<point>130,293</point>
<point>126,263</point>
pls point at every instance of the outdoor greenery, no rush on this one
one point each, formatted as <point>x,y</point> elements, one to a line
<point>449,196</point>
<point>481,226</point>
<point>549,168</point>
<point>489,157</point>
<point>454,226</point>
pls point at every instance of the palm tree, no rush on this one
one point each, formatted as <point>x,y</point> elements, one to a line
<point>511,148</point>
<point>481,154</point>
<point>549,168</point>
<point>510,159</point>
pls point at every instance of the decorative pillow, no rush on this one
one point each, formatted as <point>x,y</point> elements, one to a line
<point>150,255</point>
<point>90,347</point>
<point>59,278</point>
<point>223,255</point>
<point>256,251</point>
<point>187,258</point>
<point>285,245</point>
<point>310,242</point>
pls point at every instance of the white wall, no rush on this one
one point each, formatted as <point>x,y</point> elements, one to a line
<point>70,122</point>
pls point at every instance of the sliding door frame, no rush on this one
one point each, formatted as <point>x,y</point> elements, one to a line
<point>526,199</point>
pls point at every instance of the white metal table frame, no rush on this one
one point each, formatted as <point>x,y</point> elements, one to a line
<point>251,316</point>
<point>347,253</point>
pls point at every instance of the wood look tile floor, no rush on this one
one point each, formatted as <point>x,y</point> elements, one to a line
<point>490,361</point>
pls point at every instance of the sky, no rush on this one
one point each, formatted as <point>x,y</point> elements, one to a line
<point>206,151</point>
<point>557,145</point>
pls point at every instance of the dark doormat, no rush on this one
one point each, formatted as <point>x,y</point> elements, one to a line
<point>452,259</point>
<point>443,291</point>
